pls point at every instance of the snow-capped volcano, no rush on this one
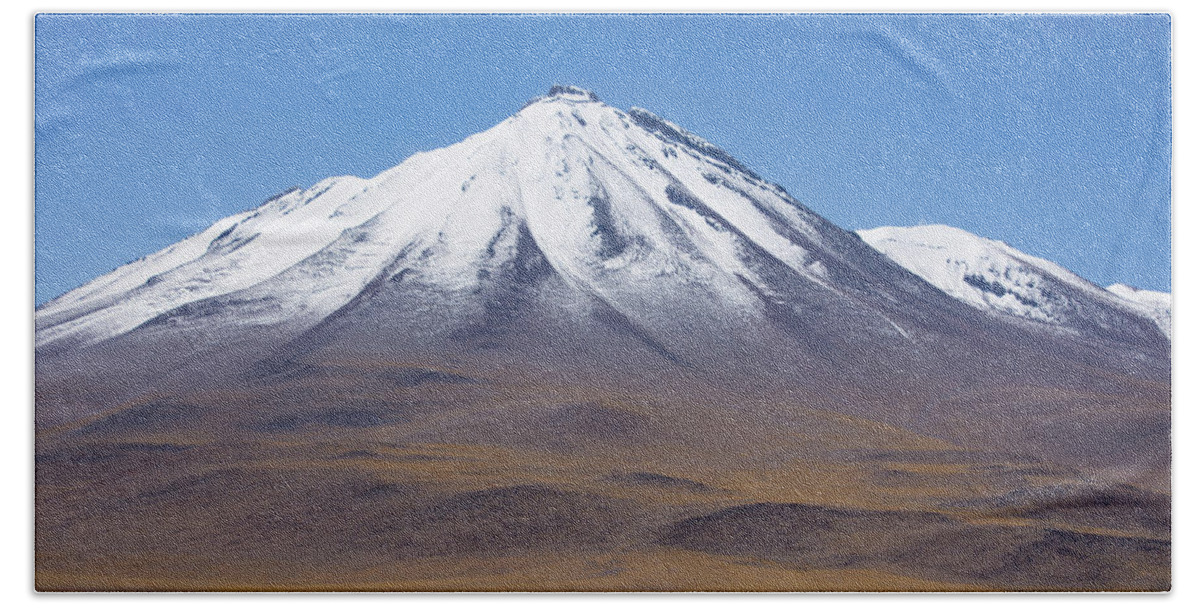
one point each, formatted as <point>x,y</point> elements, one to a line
<point>996,277</point>
<point>578,249</point>
<point>626,208</point>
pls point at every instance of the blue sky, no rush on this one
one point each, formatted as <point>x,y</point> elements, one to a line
<point>1049,132</point>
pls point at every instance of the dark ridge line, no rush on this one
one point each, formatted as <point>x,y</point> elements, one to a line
<point>675,233</point>
<point>654,124</point>
<point>309,340</point>
<point>612,242</point>
<point>767,265</point>
<point>223,248</point>
<point>769,268</point>
<point>607,314</point>
<point>319,194</point>
<point>273,199</point>
<point>793,324</point>
<point>506,221</point>
<point>567,89</point>
<point>507,295</point>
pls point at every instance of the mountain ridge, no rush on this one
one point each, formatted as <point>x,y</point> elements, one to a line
<point>620,254</point>
<point>149,287</point>
<point>996,277</point>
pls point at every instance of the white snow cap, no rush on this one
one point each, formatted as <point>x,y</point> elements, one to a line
<point>609,198</point>
<point>994,276</point>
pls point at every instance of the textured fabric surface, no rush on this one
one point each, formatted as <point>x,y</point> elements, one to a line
<point>776,303</point>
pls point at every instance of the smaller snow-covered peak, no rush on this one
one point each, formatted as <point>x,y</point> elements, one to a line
<point>994,276</point>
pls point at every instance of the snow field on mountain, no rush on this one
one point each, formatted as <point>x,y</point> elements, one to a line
<point>993,276</point>
<point>563,165</point>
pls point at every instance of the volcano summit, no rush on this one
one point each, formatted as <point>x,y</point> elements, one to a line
<point>584,349</point>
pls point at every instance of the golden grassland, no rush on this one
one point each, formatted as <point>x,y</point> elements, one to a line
<point>473,487</point>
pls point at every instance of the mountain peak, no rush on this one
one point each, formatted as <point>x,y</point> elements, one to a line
<point>573,93</point>
<point>994,276</point>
